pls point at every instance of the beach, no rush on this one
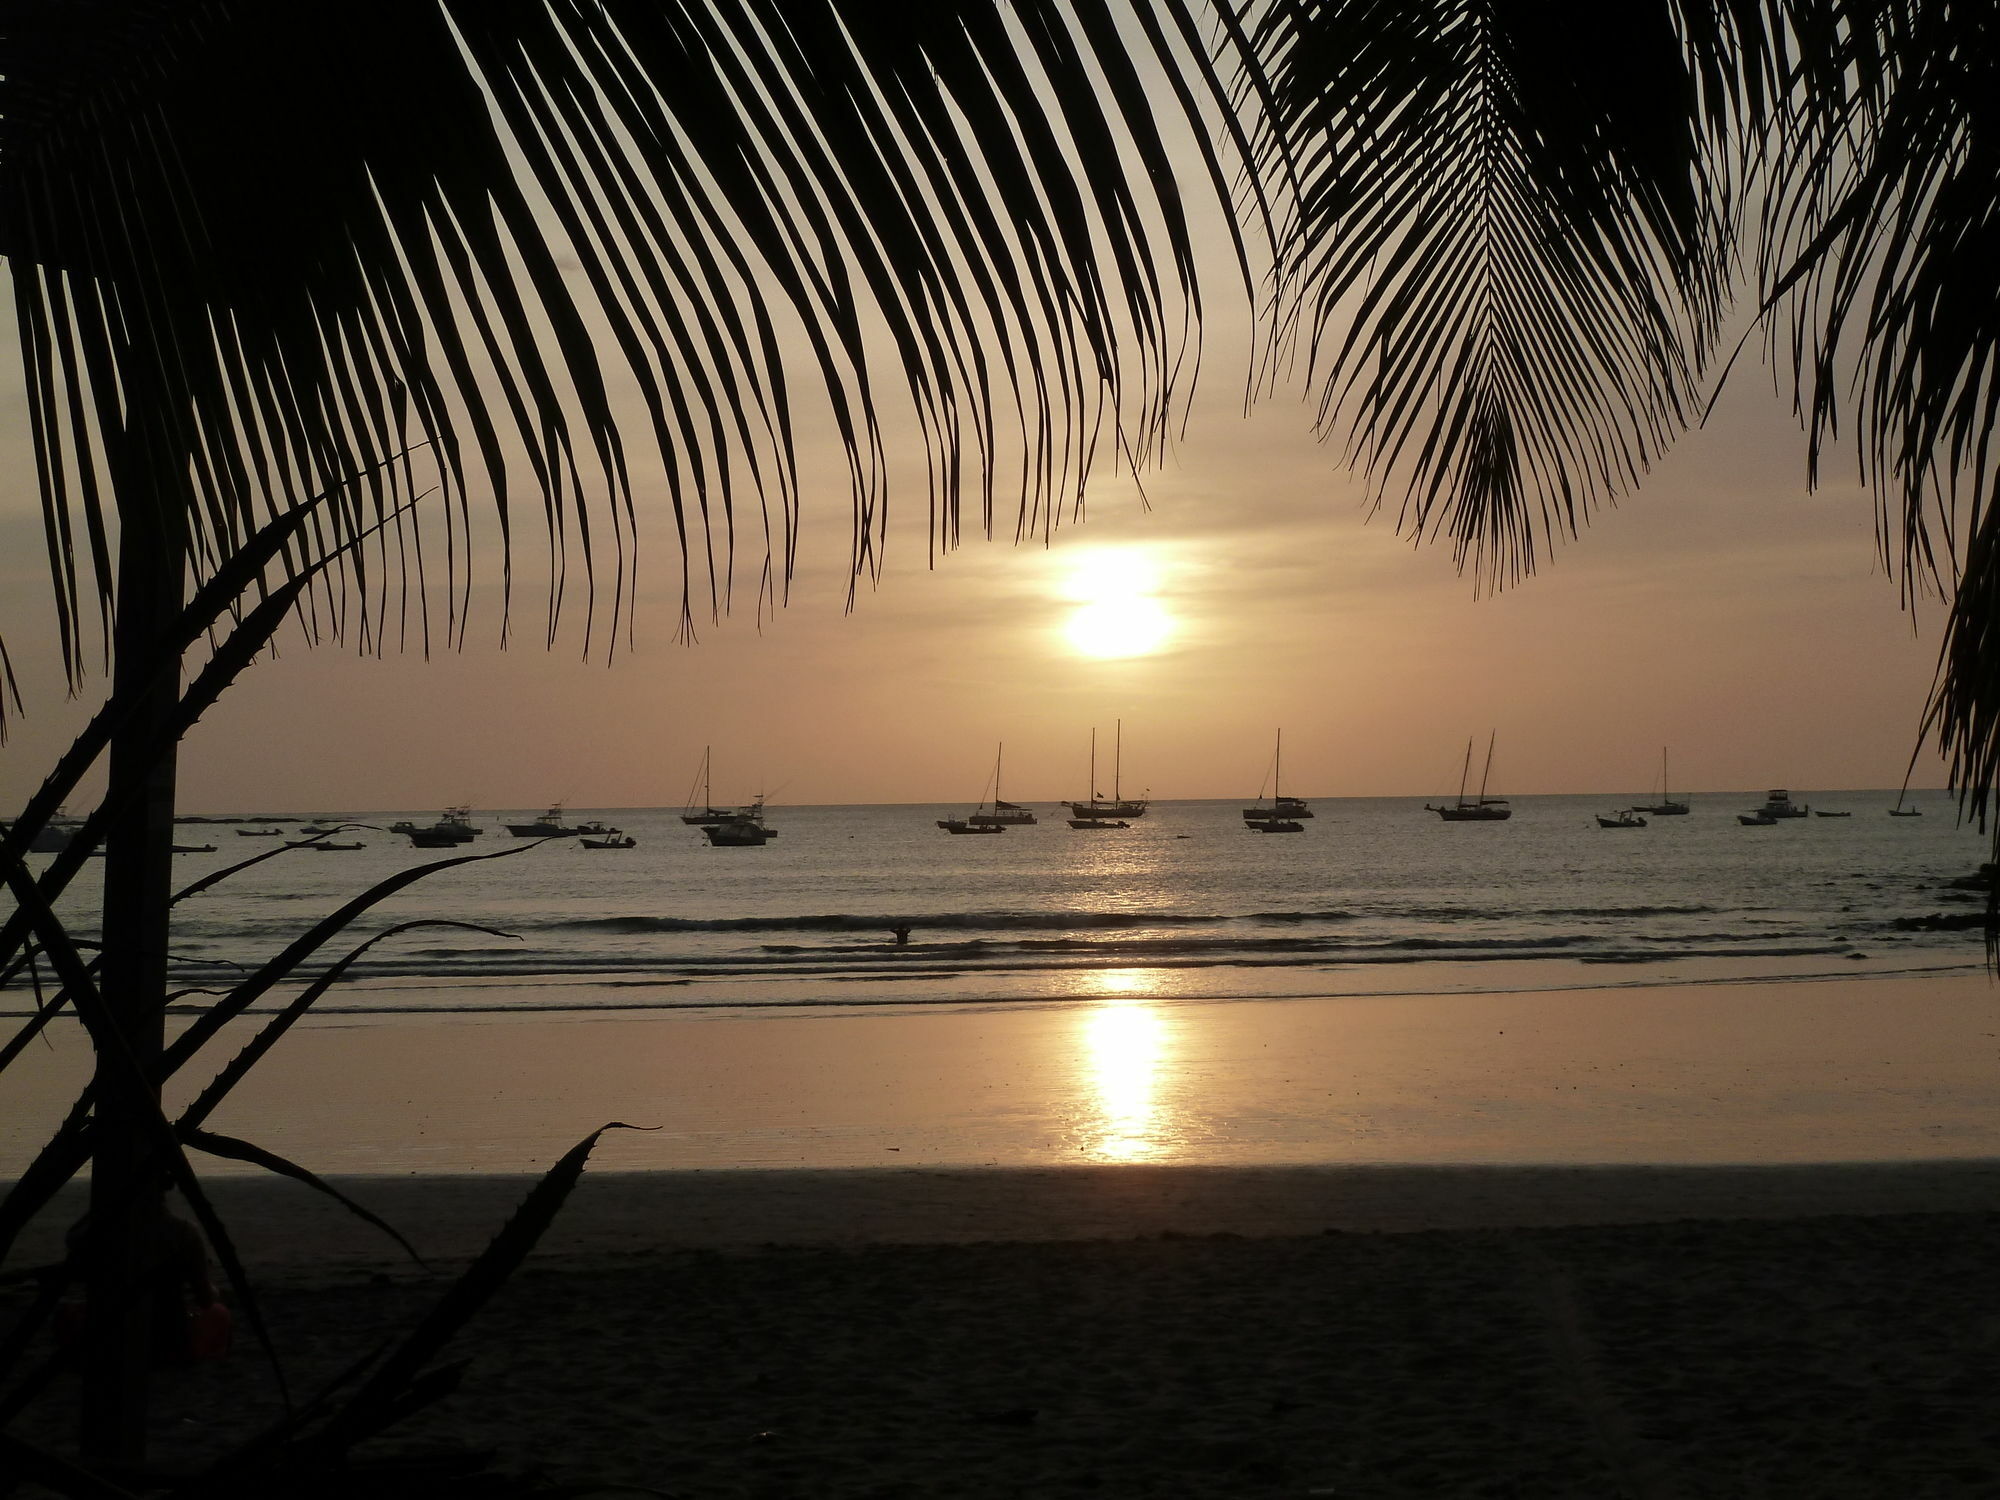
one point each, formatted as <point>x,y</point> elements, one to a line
<point>1137,1330</point>
<point>1580,1236</point>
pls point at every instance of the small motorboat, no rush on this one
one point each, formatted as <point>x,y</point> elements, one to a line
<point>1757,820</point>
<point>256,833</point>
<point>615,840</point>
<point>194,848</point>
<point>1627,818</point>
<point>1820,812</point>
<point>1274,825</point>
<point>334,848</point>
<point>1088,824</point>
<point>966,825</point>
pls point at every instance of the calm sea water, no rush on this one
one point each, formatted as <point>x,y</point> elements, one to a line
<point>1375,891</point>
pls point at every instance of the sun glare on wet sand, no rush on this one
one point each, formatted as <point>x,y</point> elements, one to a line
<point>1117,612</point>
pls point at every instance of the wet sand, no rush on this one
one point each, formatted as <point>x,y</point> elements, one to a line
<point>1883,1068</point>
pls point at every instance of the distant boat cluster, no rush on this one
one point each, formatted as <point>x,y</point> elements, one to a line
<point>748,826</point>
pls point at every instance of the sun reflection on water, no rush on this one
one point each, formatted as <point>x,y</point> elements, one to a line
<point>1126,1045</point>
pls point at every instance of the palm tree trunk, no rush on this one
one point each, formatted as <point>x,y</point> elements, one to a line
<point>127,1179</point>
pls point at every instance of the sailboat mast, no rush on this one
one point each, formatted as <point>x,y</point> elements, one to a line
<point>706,800</point>
<point>1465,771</point>
<point>997,749</point>
<point>1093,764</point>
<point>1277,772</point>
<point>1117,761</point>
<point>1486,774</point>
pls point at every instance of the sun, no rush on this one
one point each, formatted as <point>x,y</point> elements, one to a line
<point>1117,613</point>
<point>1119,627</point>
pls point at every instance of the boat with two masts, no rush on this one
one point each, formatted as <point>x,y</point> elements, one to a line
<point>1480,809</point>
<point>1097,813</point>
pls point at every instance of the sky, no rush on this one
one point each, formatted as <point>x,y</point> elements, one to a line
<point>1722,611</point>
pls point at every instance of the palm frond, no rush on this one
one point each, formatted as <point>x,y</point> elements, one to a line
<point>254,247</point>
<point>1880,260</point>
<point>1512,244</point>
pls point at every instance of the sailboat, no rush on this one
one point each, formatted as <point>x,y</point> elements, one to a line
<point>1482,809</point>
<point>979,820</point>
<point>1276,818</point>
<point>1094,814</point>
<point>1900,811</point>
<point>1281,805</point>
<point>1097,809</point>
<point>1004,814</point>
<point>1666,807</point>
<point>707,813</point>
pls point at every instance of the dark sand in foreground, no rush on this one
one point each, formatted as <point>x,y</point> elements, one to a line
<point>1811,1332</point>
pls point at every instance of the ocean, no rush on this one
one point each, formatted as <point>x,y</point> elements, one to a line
<point>1380,988</point>
<point>1376,893</point>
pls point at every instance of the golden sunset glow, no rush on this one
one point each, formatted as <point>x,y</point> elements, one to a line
<point>1127,1044</point>
<point>1117,613</point>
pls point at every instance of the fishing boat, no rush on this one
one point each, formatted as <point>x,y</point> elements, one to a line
<point>1666,807</point>
<point>1757,820</point>
<point>453,826</point>
<point>194,848</point>
<point>1900,811</point>
<point>52,837</point>
<point>1283,809</point>
<point>1778,804</point>
<point>1820,812</point>
<point>1098,809</point>
<point>256,833</point>
<point>1003,814</point>
<point>548,826</point>
<point>336,848</point>
<point>616,841</point>
<point>706,812</point>
<point>1480,809</point>
<point>1629,818</point>
<point>1277,818</point>
<point>744,829</point>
